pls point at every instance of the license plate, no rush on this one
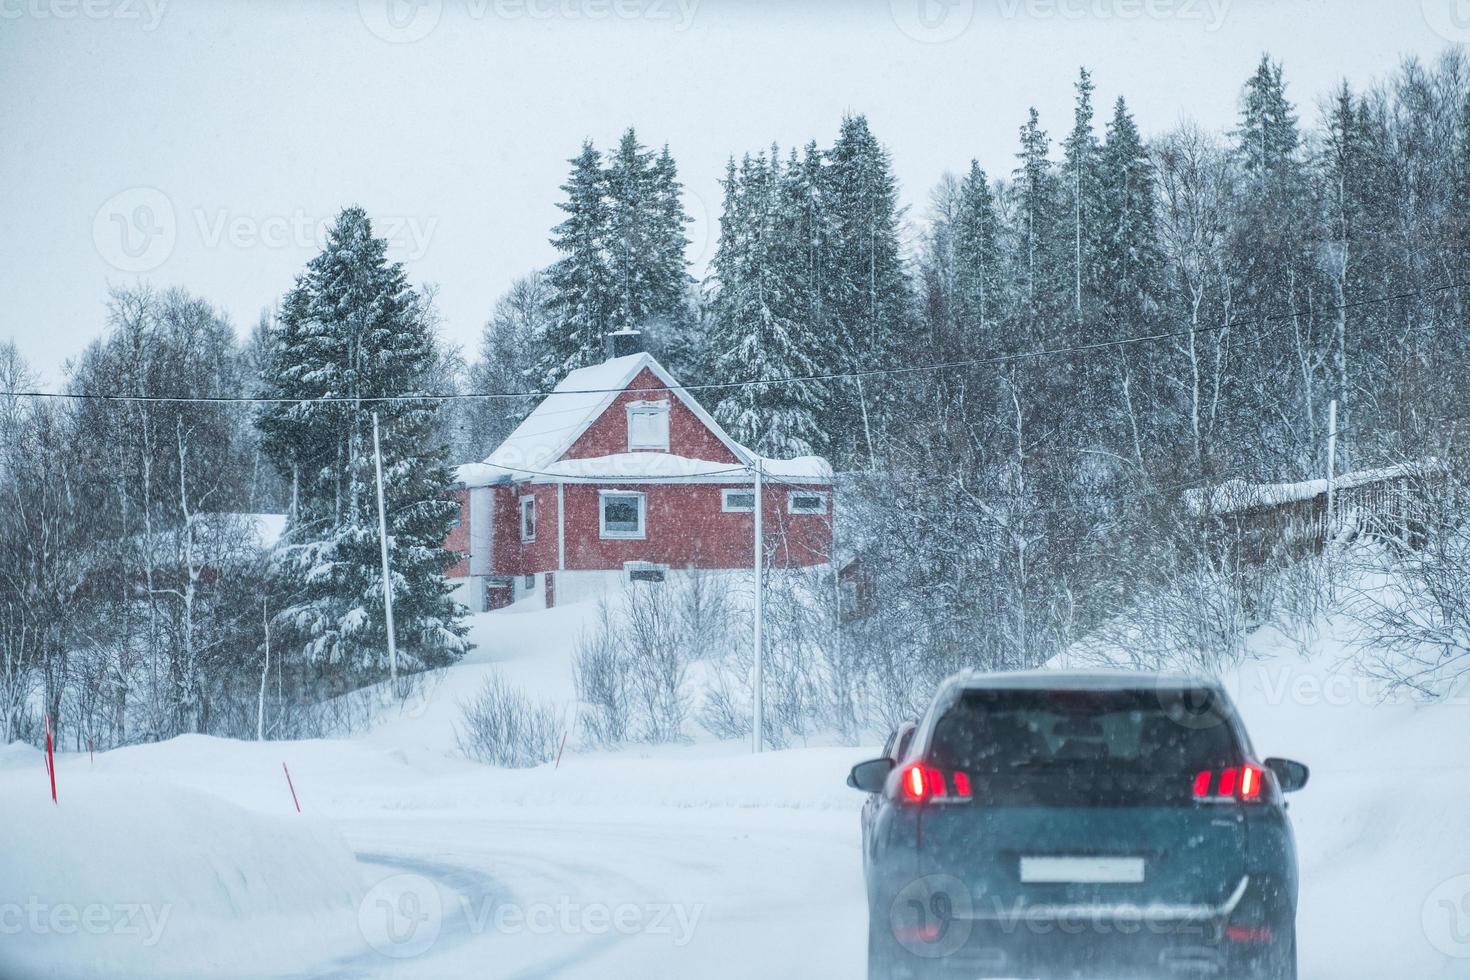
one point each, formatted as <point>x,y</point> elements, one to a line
<point>1082,870</point>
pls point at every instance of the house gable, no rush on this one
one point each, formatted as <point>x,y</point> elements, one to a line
<point>690,435</point>
<point>598,396</point>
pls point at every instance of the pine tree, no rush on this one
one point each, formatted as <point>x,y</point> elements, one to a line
<point>511,343</point>
<point>670,327</point>
<point>979,269</point>
<point>1130,267</point>
<point>1131,264</point>
<point>669,279</point>
<point>867,293</point>
<point>352,330</point>
<point>623,258</point>
<point>759,328</point>
<point>629,245</point>
<point>813,239</point>
<point>1037,210</point>
<point>1356,174</point>
<point>1083,183</point>
<point>1271,252</point>
<point>937,278</point>
<point>581,280</point>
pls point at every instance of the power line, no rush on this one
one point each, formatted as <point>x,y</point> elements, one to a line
<point>749,382</point>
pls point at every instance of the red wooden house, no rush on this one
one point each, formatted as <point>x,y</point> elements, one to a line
<point>621,474</point>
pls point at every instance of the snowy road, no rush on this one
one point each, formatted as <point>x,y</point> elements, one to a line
<point>526,894</point>
<point>696,860</point>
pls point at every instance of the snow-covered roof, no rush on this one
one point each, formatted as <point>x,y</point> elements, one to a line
<point>651,467</point>
<point>536,447</point>
<point>583,395</point>
<point>1234,496</point>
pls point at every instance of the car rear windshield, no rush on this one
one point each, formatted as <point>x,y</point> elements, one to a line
<point>1154,730</point>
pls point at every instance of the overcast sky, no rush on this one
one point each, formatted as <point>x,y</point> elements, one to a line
<point>202,143</point>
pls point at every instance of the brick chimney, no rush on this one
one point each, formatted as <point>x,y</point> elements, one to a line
<point>621,343</point>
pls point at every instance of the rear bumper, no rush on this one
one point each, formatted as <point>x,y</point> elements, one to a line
<point>1097,942</point>
<point>1073,958</point>
<point>1082,917</point>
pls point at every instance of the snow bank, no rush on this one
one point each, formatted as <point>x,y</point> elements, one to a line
<point>1381,827</point>
<point>129,877</point>
<point>1382,824</point>
<point>356,779</point>
<point>19,755</point>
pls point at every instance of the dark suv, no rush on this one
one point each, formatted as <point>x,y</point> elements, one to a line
<point>1061,824</point>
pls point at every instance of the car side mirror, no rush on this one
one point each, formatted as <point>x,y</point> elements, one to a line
<point>1290,774</point>
<point>871,775</point>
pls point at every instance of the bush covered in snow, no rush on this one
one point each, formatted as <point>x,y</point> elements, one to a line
<point>503,727</point>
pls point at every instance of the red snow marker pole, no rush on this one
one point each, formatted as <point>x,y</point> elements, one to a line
<point>293,787</point>
<point>559,749</point>
<point>50,759</point>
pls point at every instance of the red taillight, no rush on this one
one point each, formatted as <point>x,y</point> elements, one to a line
<point>1249,934</point>
<point>1250,782</point>
<point>914,783</point>
<point>1238,783</point>
<point>919,783</point>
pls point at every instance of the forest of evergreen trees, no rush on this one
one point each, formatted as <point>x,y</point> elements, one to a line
<point>1015,382</point>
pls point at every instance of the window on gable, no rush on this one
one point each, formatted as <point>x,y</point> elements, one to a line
<point>806,502</point>
<point>648,425</point>
<point>622,514</point>
<point>737,501</point>
<point>528,519</point>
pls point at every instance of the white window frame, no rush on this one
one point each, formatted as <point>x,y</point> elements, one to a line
<point>638,535</point>
<point>654,408</point>
<point>528,499</point>
<point>791,496</point>
<point>730,508</point>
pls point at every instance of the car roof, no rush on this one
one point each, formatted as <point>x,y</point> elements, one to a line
<point>1077,680</point>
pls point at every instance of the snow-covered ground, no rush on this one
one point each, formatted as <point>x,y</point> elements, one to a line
<point>697,860</point>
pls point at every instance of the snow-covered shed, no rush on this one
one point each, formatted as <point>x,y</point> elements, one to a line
<point>1387,502</point>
